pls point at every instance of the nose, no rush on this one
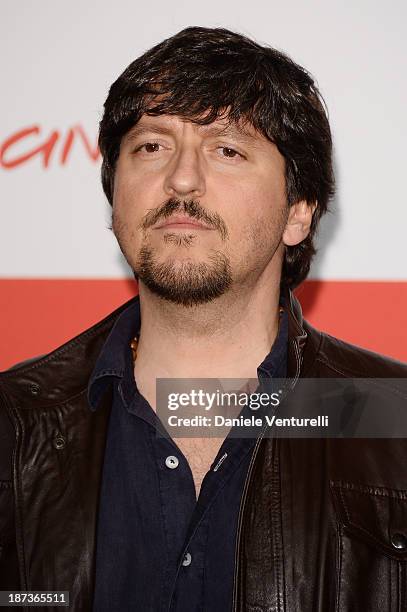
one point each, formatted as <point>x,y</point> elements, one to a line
<point>185,177</point>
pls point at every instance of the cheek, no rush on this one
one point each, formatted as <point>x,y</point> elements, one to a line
<point>259,211</point>
<point>126,216</point>
<point>126,192</point>
<point>132,199</point>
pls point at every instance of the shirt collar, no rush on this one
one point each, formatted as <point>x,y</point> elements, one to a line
<point>275,363</point>
<point>116,360</point>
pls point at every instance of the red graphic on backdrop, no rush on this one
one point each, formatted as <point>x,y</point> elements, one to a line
<point>45,146</point>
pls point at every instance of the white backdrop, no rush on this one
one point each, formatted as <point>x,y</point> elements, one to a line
<point>58,59</point>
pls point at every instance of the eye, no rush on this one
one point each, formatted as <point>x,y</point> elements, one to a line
<point>149,147</point>
<point>229,152</point>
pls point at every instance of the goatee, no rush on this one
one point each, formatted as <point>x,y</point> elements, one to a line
<point>185,283</point>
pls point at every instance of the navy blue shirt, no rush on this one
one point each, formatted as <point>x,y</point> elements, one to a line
<point>159,549</point>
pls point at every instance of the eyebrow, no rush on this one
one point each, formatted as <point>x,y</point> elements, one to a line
<point>139,130</point>
<point>228,130</point>
<point>208,131</point>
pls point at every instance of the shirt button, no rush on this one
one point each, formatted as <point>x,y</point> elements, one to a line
<point>59,442</point>
<point>187,559</point>
<point>34,389</point>
<point>172,462</point>
<point>399,541</point>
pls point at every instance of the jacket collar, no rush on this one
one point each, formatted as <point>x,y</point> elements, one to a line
<point>62,374</point>
<point>297,336</point>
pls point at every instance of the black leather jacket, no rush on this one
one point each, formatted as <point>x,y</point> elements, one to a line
<point>321,523</point>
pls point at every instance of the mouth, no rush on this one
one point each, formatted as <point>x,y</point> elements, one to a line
<point>182,222</point>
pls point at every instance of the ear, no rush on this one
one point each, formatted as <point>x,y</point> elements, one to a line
<point>298,223</point>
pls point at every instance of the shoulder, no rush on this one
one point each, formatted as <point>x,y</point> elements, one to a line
<point>340,358</point>
<point>82,350</point>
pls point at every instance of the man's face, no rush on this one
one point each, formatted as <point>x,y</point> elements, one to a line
<point>198,210</point>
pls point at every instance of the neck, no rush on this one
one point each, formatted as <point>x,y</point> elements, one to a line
<point>226,338</point>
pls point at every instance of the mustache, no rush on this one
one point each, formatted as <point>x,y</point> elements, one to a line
<point>192,208</point>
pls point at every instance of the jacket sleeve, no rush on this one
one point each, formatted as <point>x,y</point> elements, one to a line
<point>9,570</point>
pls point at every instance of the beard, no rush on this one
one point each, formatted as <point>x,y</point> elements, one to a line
<point>187,283</point>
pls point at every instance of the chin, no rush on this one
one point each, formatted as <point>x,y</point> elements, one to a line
<point>185,281</point>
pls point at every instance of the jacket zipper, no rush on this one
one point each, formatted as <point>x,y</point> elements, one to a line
<point>240,517</point>
<point>247,481</point>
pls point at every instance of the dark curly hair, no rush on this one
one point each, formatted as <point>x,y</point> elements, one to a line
<point>201,73</point>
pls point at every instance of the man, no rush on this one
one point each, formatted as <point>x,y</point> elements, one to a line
<point>217,163</point>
